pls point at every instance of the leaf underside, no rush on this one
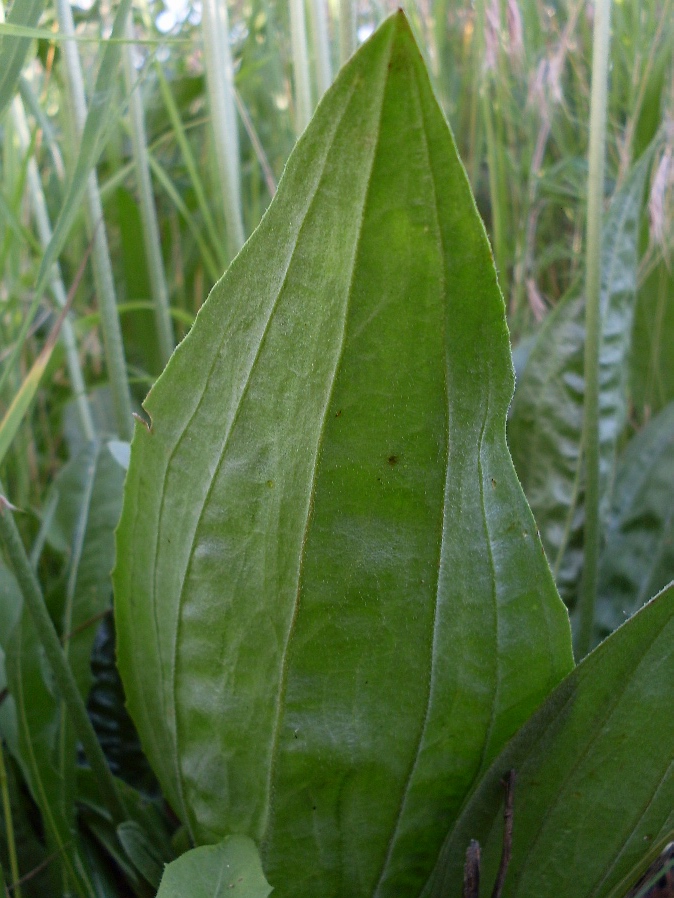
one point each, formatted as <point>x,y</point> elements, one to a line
<point>332,605</point>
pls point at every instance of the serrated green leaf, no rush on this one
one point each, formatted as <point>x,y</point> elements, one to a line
<point>332,606</point>
<point>594,774</point>
<point>546,418</point>
<point>232,867</point>
<point>638,557</point>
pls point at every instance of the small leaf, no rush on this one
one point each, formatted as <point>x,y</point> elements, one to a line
<point>232,867</point>
<point>595,774</point>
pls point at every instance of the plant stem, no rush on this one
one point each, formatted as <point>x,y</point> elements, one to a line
<point>63,676</point>
<point>57,287</point>
<point>148,213</point>
<point>319,32</point>
<point>595,198</point>
<point>105,288</point>
<point>220,85</point>
<point>9,826</point>
<point>298,34</point>
<point>347,29</point>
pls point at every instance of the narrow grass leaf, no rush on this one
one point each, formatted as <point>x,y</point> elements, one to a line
<point>30,724</point>
<point>26,393</point>
<point>14,47</point>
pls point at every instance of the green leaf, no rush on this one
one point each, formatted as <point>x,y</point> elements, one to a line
<point>638,557</point>
<point>141,851</point>
<point>332,606</point>
<point>546,418</point>
<point>594,774</point>
<point>13,49</point>
<point>139,845</point>
<point>24,396</point>
<point>652,372</point>
<point>89,492</point>
<point>30,722</point>
<point>96,130</point>
<point>232,867</point>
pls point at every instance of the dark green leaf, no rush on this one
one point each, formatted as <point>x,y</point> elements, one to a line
<point>232,867</point>
<point>30,719</point>
<point>546,418</point>
<point>595,774</point>
<point>652,372</point>
<point>638,558</point>
<point>141,851</point>
<point>332,606</point>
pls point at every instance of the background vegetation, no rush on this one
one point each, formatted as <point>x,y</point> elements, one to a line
<point>131,172</point>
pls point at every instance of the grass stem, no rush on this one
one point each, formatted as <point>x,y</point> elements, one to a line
<point>220,87</point>
<point>148,212</point>
<point>105,288</point>
<point>595,199</point>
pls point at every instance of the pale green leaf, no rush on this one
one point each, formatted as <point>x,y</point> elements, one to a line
<point>332,606</point>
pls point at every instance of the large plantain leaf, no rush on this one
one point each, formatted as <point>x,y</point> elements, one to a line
<point>638,558</point>
<point>332,605</point>
<point>546,418</point>
<point>594,775</point>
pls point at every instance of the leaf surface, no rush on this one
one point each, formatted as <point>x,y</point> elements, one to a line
<point>13,49</point>
<point>594,774</point>
<point>638,557</point>
<point>232,867</point>
<point>30,722</point>
<point>546,418</point>
<point>332,606</point>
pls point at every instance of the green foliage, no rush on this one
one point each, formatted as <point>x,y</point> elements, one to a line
<point>345,388</point>
<point>354,612</point>
<point>594,776</point>
<point>217,871</point>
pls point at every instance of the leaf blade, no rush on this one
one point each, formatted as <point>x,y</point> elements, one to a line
<point>329,533</point>
<point>595,780</point>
